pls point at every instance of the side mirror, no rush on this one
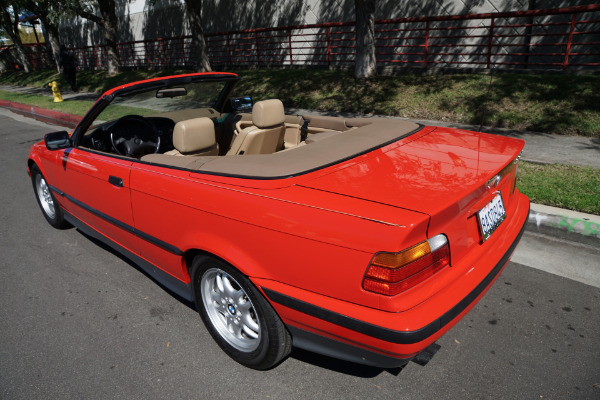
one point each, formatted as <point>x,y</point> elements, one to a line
<point>57,140</point>
<point>241,104</point>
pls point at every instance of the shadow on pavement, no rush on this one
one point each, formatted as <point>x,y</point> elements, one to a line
<point>106,247</point>
<point>341,366</point>
<point>333,364</point>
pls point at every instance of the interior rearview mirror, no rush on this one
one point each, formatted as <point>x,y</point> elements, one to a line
<point>57,140</point>
<point>171,92</point>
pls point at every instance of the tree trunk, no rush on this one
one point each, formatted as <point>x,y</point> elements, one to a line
<point>21,54</point>
<point>112,58</point>
<point>109,24</point>
<point>42,9</point>
<point>365,62</point>
<point>53,41</point>
<point>111,30</point>
<point>12,29</point>
<point>528,32</point>
<point>194,12</point>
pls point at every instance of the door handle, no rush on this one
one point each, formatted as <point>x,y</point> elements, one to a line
<point>115,180</point>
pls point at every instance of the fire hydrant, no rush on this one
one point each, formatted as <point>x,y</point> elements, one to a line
<point>55,91</point>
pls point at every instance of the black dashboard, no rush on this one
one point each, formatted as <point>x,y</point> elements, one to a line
<point>132,136</point>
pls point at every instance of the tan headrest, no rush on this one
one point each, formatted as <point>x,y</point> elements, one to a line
<point>194,135</point>
<point>268,113</point>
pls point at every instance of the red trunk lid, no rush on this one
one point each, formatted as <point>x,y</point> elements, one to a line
<point>442,174</point>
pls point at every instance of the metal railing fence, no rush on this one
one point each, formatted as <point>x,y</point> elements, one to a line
<point>565,38</point>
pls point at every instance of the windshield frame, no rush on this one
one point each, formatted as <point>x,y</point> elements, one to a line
<point>151,85</point>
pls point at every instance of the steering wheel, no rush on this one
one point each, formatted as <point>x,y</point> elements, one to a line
<point>134,136</point>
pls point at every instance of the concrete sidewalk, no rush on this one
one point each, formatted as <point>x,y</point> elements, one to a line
<point>539,147</point>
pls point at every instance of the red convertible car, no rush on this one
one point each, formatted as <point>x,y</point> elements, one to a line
<point>364,239</point>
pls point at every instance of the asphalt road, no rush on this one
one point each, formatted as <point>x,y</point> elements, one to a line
<point>79,322</point>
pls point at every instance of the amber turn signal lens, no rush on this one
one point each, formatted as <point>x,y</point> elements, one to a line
<point>393,273</point>
<point>393,260</point>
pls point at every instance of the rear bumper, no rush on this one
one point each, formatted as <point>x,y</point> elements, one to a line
<point>320,344</point>
<point>343,336</point>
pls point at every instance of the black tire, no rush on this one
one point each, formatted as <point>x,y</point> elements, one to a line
<point>46,200</point>
<point>238,317</point>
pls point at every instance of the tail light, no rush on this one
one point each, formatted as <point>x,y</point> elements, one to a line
<point>516,164</point>
<point>393,273</point>
<point>508,169</point>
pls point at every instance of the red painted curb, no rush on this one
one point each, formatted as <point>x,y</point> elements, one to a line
<point>41,114</point>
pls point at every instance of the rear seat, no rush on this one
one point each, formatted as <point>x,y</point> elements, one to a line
<point>309,155</point>
<point>266,134</point>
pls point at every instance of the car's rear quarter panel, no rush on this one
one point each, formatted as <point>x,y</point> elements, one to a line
<point>265,236</point>
<point>450,287</point>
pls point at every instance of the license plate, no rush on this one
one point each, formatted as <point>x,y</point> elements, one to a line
<point>491,216</point>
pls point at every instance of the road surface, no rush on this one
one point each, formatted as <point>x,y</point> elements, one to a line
<point>80,322</point>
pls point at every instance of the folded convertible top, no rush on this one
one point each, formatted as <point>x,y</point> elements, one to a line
<point>368,134</point>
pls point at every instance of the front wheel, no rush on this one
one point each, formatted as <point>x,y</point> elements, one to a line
<point>237,316</point>
<point>46,200</point>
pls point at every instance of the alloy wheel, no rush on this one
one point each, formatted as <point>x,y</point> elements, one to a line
<point>230,310</point>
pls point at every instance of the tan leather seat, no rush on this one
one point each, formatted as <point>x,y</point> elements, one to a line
<point>194,137</point>
<point>293,134</point>
<point>267,132</point>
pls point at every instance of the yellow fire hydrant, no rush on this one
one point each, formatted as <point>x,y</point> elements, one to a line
<point>55,91</point>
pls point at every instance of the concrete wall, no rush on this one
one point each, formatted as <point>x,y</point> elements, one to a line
<point>140,19</point>
<point>145,20</point>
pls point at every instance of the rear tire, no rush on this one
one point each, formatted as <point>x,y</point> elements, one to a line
<point>45,198</point>
<point>238,317</point>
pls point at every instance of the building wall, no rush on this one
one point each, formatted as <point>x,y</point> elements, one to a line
<point>465,44</point>
<point>141,19</point>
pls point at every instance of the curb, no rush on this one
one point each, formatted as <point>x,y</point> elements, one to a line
<point>42,114</point>
<point>565,224</point>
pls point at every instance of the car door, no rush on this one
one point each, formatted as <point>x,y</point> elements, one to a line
<point>156,198</point>
<point>96,187</point>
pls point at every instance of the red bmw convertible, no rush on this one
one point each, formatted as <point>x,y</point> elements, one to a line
<point>364,239</point>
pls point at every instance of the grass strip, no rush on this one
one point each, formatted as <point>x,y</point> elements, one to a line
<point>551,103</point>
<point>559,185</point>
<point>91,81</point>
<point>75,107</point>
<point>563,104</point>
